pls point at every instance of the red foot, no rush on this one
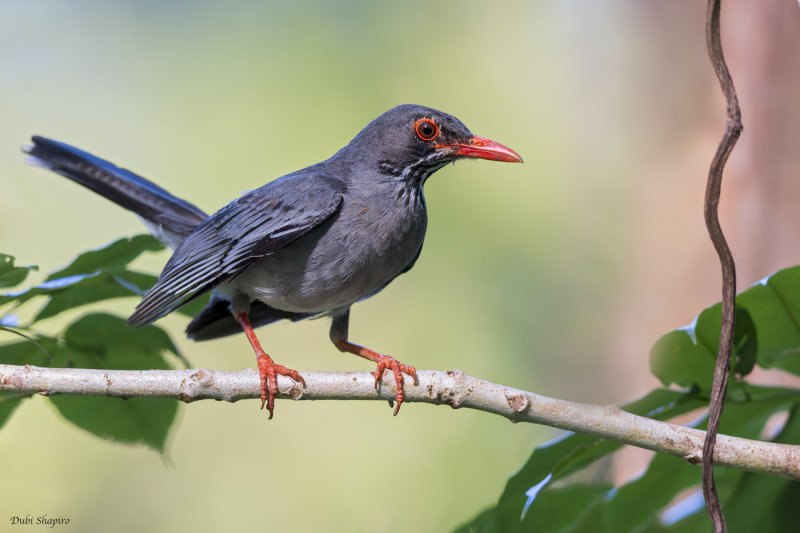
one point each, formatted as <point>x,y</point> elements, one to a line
<point>398,368</point>
<point>268,371</point>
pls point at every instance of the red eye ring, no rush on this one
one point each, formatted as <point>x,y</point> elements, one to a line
<point>426,129</point>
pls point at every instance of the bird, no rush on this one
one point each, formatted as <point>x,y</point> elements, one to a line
<point>308,244</point>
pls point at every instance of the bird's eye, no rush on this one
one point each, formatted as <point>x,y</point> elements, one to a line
<point>426,129</point>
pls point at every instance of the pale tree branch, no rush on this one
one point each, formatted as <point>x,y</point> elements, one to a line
<point>453,388</point>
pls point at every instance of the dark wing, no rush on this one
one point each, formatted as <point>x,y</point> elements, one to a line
<point>216,320</point>
<point>259,223</point>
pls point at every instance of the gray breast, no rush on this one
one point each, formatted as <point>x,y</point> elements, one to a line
<point>371,240</point>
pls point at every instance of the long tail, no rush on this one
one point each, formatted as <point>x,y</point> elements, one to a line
<point>169,218</point>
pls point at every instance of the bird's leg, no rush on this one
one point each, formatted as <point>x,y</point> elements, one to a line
<point>339,329</point>
<point>267,369</point>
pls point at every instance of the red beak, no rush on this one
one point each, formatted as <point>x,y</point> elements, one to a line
<point>483,149</point>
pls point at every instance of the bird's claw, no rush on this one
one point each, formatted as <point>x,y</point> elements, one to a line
<point>268,371</point>
<point>398,368</point>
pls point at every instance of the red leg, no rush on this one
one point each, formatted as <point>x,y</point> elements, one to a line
<point>267,369</point>
<point>384,362</point>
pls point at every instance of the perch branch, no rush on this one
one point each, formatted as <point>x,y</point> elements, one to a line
<point>452,388</point>
<point>733,128</point>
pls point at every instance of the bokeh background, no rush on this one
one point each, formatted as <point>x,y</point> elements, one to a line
<point>554,276</point>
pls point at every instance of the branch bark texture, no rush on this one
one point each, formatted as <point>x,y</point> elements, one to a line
<point>733,129</point>
<point>453,388</point>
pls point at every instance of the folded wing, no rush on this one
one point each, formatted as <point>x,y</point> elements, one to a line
<point>259,223</point>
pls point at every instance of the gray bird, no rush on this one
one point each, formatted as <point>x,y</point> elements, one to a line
<point>310,243</point>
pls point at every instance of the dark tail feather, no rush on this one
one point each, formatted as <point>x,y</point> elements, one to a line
<point>170,218</point>
<point>216,320</point>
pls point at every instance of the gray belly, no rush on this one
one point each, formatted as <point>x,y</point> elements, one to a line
<point>347,259</point>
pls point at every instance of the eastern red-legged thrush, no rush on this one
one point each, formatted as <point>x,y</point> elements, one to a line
<point>310,243</point>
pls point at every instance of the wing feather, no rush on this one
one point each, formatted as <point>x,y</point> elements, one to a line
<point>259,223</point>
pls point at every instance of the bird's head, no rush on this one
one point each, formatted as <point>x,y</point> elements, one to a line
<point>412,141</point>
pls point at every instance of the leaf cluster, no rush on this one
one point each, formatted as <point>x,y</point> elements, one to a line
<point>561,488</point>
<point>93,340</point>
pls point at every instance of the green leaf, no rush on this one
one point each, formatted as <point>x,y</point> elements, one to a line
<point>767,333</point>
<point>745,343</point>
<point>567,509</point>
<point>559,509</point>
<point>587,520</point>
<point>686,357</point>
<point>83,290</point>
<point>132,421</point>
<point>639,502</point>
<point>25,352</point>
<point>101,334</point>
<point>566,455</point>
<point>775,308</point>
<point>660,404</point>
<point>11,275</point>
<point>676,358</point>
<point>9,402</point>
<point>767,503</point>
<point>747,410</point>
<point>637,505</point>
<point>752,502</point>
<point>97,340</point>
<point>114,256</point>
<point>93,276</point>
<point>570,453</point>
<point>104,341</point>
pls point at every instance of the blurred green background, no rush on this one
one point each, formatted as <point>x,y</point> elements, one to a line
<point>529,274</point>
